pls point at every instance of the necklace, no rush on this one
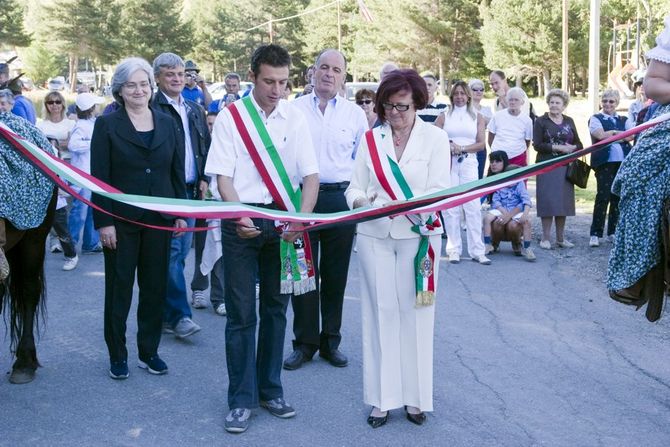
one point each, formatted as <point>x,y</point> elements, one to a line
<point>398,137</point>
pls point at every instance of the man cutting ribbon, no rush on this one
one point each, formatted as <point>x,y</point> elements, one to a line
<point>261,151</point>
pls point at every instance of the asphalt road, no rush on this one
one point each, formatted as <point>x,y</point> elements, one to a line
<point>525,355</point>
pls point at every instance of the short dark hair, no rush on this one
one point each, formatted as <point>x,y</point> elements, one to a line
<point>403,80</point>
<point>500,74</point>
<point>272,55</point>
<point>365,93</point>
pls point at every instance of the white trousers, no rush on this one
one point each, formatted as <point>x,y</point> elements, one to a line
<point>397,336</point>
<point>464,172</point>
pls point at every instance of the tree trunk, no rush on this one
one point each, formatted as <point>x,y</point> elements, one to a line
<point>74,64</point>
<point>547,80</point>
<point>441,74</point>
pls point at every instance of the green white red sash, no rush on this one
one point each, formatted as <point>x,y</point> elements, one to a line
<point>297,268</point>
<point>393,181</point>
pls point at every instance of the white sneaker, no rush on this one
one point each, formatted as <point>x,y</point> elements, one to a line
<point>546,245</point>
<point>70,263</point>
<point>198,300</point>
<point>454,258</point>
<point>565,244</point>
<point>221,309</point>
<point>594,242</point>
<point>529,254</point>
<point>482,259</point>
<point>488,249</point>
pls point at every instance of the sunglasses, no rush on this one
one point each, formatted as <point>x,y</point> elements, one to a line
<point>477,89</point>
<point>609,101</point>
<point>364,101</point>
<point>398,107</point>
<point>50,103</point>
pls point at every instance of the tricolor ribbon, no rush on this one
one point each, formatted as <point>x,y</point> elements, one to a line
<point>393,181</point>
<point>58,170</point>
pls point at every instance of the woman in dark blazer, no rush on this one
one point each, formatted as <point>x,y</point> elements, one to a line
<point>135,150</point>
<point>555,134</point>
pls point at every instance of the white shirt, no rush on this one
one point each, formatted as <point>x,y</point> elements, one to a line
<point>460,126</point>
<point>336,134</point>
<point>290,134</point>
<point>80,144</point>
<point>59,131</point>
<point>511,132</point>
<point>189,162</point>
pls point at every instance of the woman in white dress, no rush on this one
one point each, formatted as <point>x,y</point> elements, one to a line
<point>465,128</point>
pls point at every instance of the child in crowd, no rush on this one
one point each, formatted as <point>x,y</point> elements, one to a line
<point>81,215</point>
<point>510,207</point>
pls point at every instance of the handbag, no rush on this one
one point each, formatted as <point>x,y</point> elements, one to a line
<point>578,172</point>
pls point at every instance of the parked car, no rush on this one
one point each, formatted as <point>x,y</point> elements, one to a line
<point>218,89</point>
<point>353,87</point>
<point>56,84</point>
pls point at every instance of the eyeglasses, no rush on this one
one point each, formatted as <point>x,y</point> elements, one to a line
<point>364,101</point>
<point>609,101</point>
<point>398,107</point>
<point>133,86</point>
<point>50,103</point>
<point>477,90</point>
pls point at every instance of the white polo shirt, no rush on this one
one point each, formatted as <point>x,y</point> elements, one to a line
<point>228,155</point>
<point>336,134</point>
<point>511,132</point>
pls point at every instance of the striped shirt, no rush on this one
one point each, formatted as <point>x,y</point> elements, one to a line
<point>432,111</point>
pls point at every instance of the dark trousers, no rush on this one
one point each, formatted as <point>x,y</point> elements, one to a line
<point>200,281</point>
<point>254,369</point>
<point>605,174</point>
<point>331,250</point>
<point>60,226</point>
<point>146,251</point>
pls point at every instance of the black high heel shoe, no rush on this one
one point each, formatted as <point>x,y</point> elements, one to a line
<point>418,418</point>
<point>378,421</point>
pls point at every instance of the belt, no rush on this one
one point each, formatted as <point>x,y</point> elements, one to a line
<point>333,186</point>
<point>271,205</point>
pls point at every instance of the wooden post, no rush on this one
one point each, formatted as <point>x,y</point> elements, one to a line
<point>564,61</point>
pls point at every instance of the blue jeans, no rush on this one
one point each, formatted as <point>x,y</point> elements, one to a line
<point>254,369</point>
<point>176,298</point>
<point>81,217</point>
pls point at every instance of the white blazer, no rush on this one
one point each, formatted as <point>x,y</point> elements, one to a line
<point>426,165</point>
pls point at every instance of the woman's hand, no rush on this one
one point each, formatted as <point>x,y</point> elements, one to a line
<point>362,201</point>
<point>108,237</point>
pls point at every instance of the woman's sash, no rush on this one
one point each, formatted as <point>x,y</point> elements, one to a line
<point>297,268</point>
<point>393,181</point>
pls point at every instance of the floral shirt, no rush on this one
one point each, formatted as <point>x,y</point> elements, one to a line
<point>25,192</point>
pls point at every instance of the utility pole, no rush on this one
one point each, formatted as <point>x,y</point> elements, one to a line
<point>594,55</point>
<point>564,62</point>
<point>339,27</point>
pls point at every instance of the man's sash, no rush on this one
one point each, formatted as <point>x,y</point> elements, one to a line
<point>393,182</point>
<point>297,268</point>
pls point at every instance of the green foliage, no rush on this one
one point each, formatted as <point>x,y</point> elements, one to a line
<point>41,63</point>
<point>12,31</point>
<point>151,27</point>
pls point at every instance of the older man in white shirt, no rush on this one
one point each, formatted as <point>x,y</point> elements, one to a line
<point>336,126</point>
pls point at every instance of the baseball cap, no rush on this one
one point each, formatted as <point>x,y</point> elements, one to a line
<point>86,101</point>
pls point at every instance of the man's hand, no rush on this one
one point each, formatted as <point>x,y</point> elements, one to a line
<point>203,187</point>
<point>293,232</point>
<point>108,237</point>
<point>246,228</point>
<point>178,225</point>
